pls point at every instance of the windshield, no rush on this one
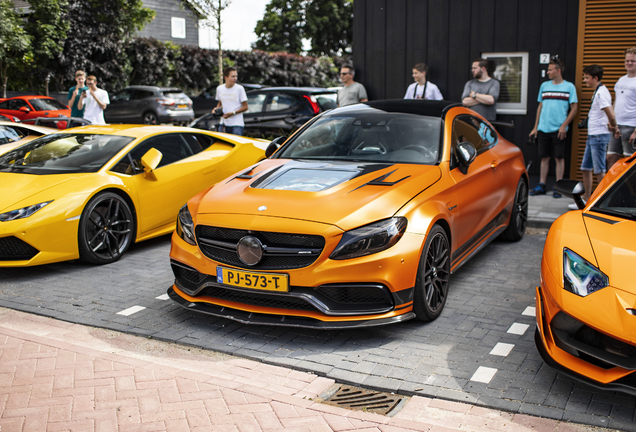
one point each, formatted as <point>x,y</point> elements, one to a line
<point>368,136</point>
<point>63,153</point>
<point>9,135</point>
<point>47,105</point>
<point>620,199</point>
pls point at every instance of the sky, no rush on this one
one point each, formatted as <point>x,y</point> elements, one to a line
<point>237,28</point>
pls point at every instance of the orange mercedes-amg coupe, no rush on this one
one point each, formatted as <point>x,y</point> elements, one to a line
<point>358,219</point>
<point>586,304</point>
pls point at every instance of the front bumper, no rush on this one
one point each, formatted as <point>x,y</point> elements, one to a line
<point>587,338</point>
<point>372,290</point>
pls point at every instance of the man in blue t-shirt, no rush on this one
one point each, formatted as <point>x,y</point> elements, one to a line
<point>558,105</point>
<point>76,93</point>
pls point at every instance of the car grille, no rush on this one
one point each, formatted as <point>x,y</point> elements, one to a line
<point>591,345</point>
<point>347,294</point>
<point>14,249</point>
<point>226,253</point>
<point>256,299</point>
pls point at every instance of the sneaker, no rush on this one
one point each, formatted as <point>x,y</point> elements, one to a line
<point>538,190</point>
<point>555,194</point>
<point>573,206</point>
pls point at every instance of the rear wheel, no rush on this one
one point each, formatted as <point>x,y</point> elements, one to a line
<point>519,216</point>
<point>433,278</point>
<point>105,229</point>
<point>150,118</point>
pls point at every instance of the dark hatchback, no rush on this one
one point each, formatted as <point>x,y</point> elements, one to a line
<point>277,111</point>
<point>149,105</point>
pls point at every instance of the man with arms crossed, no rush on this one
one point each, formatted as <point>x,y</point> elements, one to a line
<point>233,100</point>
<point>622,143</point>
<point>481,93</point>
<point>352,92</point>
<point>556,97</point>
<point>600,121</point>
<point>94,102</point>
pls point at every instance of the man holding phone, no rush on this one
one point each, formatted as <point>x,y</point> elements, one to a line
<point>94,101</point>
<point>75,93</point>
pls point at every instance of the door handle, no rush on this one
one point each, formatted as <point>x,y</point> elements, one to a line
<point>494,164</point>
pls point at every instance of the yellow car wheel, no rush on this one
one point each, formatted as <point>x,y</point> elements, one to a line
<point>431,285</point>
<point>106,229</point>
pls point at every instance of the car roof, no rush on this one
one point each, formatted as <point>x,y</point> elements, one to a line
<point>41,129</point>
<point>130,130</point>
<point>431,108</point>
<point>27,97</point>
<point>154,88</point>
<point>295,89</point>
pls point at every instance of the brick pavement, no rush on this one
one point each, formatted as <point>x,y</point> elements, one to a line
<point>58,376</point>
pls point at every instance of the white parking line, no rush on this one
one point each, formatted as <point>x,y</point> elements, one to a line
<point>530,311</point>
<point>484,374</point>
<point>502,349</point>
<point>131,310</point>
<point>518,328</point>
<point>163,297</point>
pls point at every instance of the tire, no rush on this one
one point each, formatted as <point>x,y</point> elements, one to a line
<point>106,229</point>
<point>433,276</point>
<point>519,215</point>
<point>150,118</point>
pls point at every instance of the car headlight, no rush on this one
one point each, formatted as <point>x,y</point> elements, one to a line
<point>370,239</point>
<point>579,276</point>
<point>22,213</point>
<point>185,226</point>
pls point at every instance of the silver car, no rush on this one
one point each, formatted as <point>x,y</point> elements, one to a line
<point>149,105</point>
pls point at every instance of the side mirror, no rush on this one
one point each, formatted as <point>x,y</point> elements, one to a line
<point>466,153</point>
<point>573,189</point>
<point>274,145</point>
<point>24,109</point>
<point>150,161</point>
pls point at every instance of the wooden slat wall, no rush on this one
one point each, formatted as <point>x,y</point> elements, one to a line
<point>606,29</point>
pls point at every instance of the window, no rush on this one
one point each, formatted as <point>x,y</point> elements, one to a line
<point>172,147</point>
<point>123,95</point>
<point>280,102</point>
<point>511,70</point>
<point>47,104</point>
<point>475,131</point>
<point>255,102</point>
<point>178,28</point>
<point>142,94</point>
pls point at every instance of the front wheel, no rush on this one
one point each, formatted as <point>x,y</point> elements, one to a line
<point>519,216</point>
<point>105,229</point>
<point>433,277</point>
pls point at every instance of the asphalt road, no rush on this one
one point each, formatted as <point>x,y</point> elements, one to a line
<point>480,350</point>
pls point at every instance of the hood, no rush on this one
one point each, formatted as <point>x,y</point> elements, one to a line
<point>347,194</point>
<point>15,189</point>
<point>614,248</point>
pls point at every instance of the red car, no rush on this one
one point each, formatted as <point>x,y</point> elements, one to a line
<point>27,108</point>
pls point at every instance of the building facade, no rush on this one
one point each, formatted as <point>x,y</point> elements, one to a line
<point>175,21</point>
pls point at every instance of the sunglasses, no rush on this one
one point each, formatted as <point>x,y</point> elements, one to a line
<point>345,73</point>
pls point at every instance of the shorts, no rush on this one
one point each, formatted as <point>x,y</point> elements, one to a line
<point>621,146</point>
<point>236,130</point>
<point>594,156</point>
<point>550,143</point>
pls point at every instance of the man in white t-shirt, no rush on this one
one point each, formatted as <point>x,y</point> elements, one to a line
<point>421,88</point>
<point>233,100</point>
<point>600,123</point>
<point>94,101</point>
<point>622,143</point>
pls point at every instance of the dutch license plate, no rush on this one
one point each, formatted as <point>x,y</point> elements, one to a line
<point>182,106</point>
<point>259,281</point>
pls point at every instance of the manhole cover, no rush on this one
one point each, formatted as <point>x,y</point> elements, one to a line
<point>357,398</point>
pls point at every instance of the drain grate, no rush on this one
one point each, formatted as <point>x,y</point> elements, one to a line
<point>356,398</point>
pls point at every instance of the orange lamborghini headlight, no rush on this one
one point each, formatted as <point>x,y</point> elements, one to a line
<point>580,276</point>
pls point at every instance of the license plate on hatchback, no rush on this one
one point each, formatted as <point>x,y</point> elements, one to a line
<point>182,106</point>
<point>260,281</point>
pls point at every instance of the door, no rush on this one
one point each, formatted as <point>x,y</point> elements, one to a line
<point>117,109</point>
<point>480,194</point>
<point>184,170</point>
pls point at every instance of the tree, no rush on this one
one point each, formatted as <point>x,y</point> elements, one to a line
<point>48,28</point>
<point>327,24</point>
<point>97,37</point>
<point>281,28</point>
<point>213,9</point>
<point>15,43</point>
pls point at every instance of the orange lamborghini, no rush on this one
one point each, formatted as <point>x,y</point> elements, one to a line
<point>358,219</point>
<point>586,304</point>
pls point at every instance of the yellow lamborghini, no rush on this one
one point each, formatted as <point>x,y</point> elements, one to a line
<point>92,191</point>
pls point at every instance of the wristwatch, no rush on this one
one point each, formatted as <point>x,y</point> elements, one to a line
<point>474,95</point>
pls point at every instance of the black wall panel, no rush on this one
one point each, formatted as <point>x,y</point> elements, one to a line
<point>390,36</point>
